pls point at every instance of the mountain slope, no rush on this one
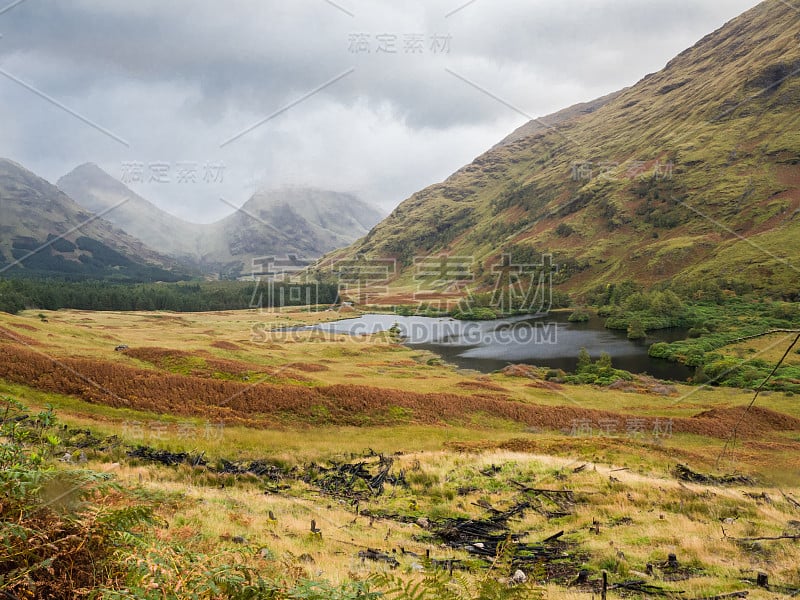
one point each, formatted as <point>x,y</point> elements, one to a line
<point>97,191</point>
<point>690,174</point>
<point>568,114</point>
<point>304,222</point>
<point>33,212</point>
<point>343,215</point>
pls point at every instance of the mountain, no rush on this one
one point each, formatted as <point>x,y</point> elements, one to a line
<point>548,122</point>
<point>303,222</point>
<point>690,175</point>
<point>44,232</point>
<point>97,191</point>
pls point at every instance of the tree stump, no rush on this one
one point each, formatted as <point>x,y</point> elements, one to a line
<point>672,561</point>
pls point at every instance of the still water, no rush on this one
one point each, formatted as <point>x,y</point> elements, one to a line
<point>549,340</point>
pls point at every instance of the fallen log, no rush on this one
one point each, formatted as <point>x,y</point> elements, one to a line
<point>378,556</point>
<point>686,474</point>
<point>790,500</point>
<point>739,594</point>
<point>764,538</point>
<point>639,585</point>
<point>553,537</point>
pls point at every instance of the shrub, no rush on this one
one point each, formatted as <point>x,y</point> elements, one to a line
<point>564,230</point>
<point>60,531</point>
<point>636,330</point>
<point>579,316</point>
<point>696,332</point>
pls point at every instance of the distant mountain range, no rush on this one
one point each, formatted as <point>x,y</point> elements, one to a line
<point>304,222</point>
<point>692,174</point>
<point>44,232</point>
<point>92,225</point>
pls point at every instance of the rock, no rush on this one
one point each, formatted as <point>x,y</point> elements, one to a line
<point>518,577</point>
<point>306,558</point>
<point>423,522</point>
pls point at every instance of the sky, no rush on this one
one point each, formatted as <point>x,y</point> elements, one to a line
<point>197,104</point>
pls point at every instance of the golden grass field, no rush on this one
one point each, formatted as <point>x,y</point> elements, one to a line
<point>445,429</point>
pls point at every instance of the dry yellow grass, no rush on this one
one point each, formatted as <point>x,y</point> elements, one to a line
<point>627,477</point>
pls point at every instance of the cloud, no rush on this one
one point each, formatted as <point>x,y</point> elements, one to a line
<point>177,79</point>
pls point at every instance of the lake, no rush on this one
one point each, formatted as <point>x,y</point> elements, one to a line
<point>549,340</point>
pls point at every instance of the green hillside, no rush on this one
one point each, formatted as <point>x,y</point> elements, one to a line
<point>691,174</point>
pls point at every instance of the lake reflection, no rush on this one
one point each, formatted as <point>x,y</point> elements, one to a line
<point>549,340</point>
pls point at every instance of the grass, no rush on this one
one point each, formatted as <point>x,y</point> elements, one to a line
<point>625,477</point>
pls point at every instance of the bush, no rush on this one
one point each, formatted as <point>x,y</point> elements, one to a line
<point>660,350</point>
<point>636,330</point>
<point>60,531</point>
<point>475,314</point>
<point>695,358</point>
<point>786,311</point>
<point>579,316</point>
<point>696,332</point>
<point>564,230</point>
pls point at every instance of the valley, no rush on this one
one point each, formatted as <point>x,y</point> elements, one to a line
<point>568,370</point>
<point>265,417</point>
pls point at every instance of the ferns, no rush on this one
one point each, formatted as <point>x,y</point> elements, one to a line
<point>438,584</point>
<point>56,537</point>
<point>76,533</point>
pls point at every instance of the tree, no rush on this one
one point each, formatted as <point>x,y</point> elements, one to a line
<point>604,362</point>
<point>636,330</point>
<point>637,302</point>
<point>584,360</point>
<point>666,304</point>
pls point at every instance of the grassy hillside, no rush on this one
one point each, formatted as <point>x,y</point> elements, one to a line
<point>690,174</point>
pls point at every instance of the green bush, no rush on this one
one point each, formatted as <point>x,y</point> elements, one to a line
<point>579,316</point>
<point>636,330</point>
<point>696,332</point>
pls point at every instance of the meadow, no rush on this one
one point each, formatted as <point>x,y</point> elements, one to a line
<point>309,466</point>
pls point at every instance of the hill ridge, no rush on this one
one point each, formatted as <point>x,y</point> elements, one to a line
<point>667,180</point>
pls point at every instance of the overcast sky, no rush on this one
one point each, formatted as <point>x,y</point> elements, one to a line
<point>168,91</point>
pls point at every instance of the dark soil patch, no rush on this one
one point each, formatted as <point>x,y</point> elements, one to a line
<point>481,385</point>
<point>308,367</point>
<point>223,345</point>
